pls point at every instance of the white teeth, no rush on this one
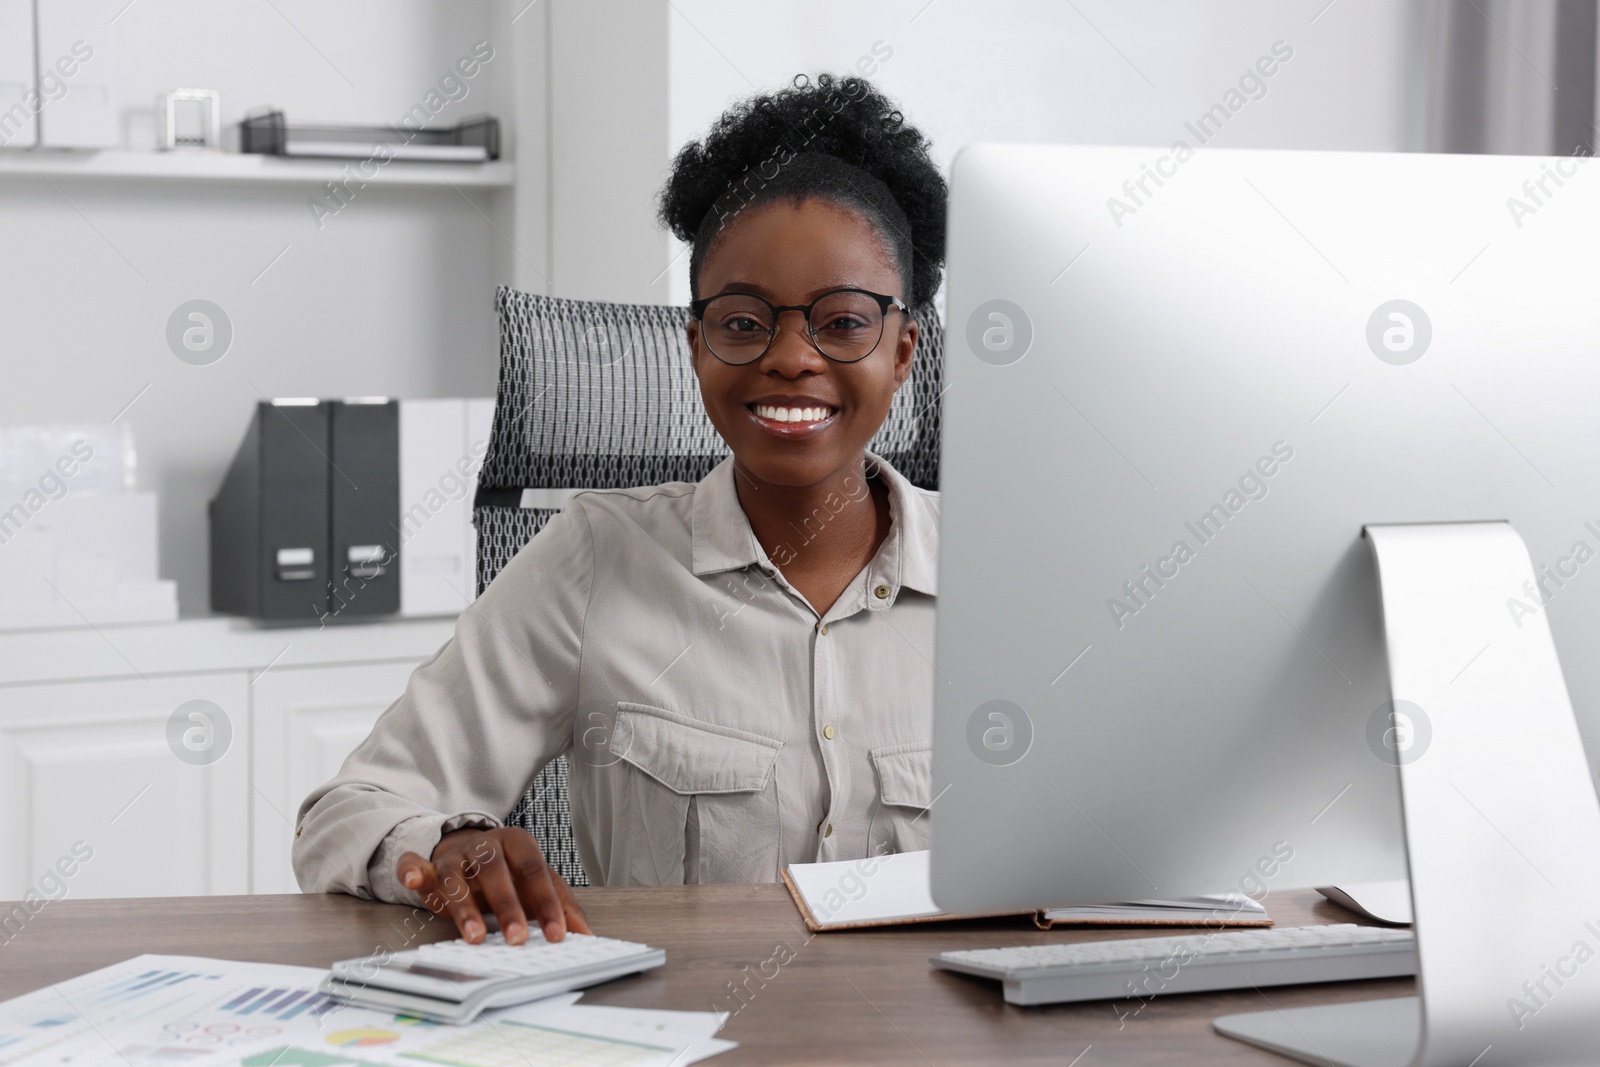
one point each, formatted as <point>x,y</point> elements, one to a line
<point>777,414</point>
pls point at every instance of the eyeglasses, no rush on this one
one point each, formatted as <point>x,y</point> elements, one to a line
<point>845,324</point>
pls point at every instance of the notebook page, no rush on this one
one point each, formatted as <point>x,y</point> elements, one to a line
<point>872,889</point>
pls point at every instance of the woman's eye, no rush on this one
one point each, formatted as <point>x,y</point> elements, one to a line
<point>743,324</point>
<point>843,323</point>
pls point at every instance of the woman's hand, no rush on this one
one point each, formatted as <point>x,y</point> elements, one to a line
<point>501,871</point>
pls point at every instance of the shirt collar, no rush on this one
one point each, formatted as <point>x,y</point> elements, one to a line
<point>723,540</point>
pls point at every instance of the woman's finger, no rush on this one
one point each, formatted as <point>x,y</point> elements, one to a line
<point>422,877</point>
<point>534,886</point>
<point>577,921</point>
<point>500,894</point>
<point>459,902</point>
<point>413,871</point>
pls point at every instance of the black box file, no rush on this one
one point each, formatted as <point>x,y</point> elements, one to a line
<point>364,488</point>
<point>303,527</point>
<point>269,521</point>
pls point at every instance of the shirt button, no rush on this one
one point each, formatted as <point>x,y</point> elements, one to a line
<point>829,831</point>
<point>297,830</point>
<point>822,628</point>
<point>881,592</point>
<point>827,731</point>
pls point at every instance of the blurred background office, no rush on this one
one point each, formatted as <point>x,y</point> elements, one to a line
<point>352,277</point>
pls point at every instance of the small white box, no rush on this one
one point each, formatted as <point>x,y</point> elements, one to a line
<point>76,74</point>
<point>19,104</point>
<point>120,527</point>
<point>85,558</point>
<point>442,443</point>
<point>25,557</point>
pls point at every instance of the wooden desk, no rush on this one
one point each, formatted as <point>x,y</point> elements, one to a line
<point>842,998</point>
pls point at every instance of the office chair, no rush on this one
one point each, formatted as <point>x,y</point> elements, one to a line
<point>602,396</point>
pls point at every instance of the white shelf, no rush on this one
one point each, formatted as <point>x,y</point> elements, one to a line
<point>240,167</point>
<point>201,645</point>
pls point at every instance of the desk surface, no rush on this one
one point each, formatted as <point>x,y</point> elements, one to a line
<point>848,998</point>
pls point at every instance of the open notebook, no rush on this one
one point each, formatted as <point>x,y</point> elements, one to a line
<point>890,890</point>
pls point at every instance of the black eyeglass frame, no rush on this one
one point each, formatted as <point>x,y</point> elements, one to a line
<point>698,309</point>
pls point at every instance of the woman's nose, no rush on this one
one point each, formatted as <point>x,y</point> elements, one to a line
<point>792,351</point>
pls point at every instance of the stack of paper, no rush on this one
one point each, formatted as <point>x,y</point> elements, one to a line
<point>153,1011</point>
<point>80,546</point>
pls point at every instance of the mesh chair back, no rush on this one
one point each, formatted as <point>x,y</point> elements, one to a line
<point>603,396</point>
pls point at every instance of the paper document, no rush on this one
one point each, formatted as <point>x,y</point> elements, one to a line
<point>877,889</point>
<point>152,1011</point>
<point>1388,902</point>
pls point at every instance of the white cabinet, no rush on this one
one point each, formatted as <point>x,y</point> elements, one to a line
<point>92,763</point>
<point>89,765</point>
<point>306,722</point>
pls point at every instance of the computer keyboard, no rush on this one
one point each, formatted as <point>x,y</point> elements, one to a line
<point>452,981</point>
<point>1151,966</point>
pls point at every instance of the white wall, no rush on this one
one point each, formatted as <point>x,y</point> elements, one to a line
<point>1095,71</point>
<point>394,295</point>
<point>522,251</point>
<point>391,296</point>
<point>609,87</point>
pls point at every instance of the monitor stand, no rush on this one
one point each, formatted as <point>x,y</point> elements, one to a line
<point>1501,821</point>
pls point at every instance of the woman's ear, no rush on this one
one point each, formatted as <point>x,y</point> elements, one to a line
<point>691,330</point>
<point>905,352</point>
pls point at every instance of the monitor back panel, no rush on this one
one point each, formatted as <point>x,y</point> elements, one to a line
<point>1172,406</point>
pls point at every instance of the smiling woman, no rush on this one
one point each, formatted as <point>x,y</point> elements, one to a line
<point>795,728</point>
<point>791,215</point>
<point>796,415</point>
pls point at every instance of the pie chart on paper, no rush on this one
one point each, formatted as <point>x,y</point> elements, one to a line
<point>361,1037</point>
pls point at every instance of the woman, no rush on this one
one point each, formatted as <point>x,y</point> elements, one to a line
<point>754,651</point>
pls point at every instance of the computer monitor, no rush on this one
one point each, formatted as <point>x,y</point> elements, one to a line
<point>1180,385</point>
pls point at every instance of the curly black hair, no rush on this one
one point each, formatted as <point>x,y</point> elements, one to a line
<point>836,138</point>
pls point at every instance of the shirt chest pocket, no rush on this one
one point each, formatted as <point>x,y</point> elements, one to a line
<point>900,812</point>
<point>708,796</point>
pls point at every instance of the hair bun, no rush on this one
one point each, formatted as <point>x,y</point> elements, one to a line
<point>845,118</point>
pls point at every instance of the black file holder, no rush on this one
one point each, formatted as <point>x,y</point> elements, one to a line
<point>270,133</point>
<point>364,493</point>
<point>304,526</point>
<point>269,520</point>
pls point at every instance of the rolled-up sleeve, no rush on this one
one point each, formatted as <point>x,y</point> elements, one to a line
<point>473,726</point>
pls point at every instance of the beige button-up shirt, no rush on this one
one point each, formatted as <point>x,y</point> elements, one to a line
<point>717,727</point>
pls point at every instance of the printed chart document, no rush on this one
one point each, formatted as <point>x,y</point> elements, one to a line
<point>894,889</point>
<point>153,1011</point>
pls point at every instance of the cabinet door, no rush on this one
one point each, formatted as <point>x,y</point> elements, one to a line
<point>149,777</point>
<point>307,719</point>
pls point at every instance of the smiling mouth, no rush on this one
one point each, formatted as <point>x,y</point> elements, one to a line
<point>797,416</point>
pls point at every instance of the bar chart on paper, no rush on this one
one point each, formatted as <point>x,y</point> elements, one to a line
<point>56,1019</point>
<point>150,985</point>
<point>154,1011</point>
<point>279,1003</point>
<point>50,1024</point>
